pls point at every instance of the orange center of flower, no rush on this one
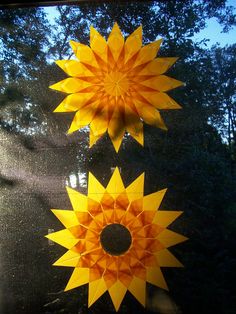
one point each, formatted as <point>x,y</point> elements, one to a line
<point>116,83</point>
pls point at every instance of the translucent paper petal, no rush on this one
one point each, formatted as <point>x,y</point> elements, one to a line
<point>93,138</point>
<point>74,102</point>
<point>158,66</point>
<point>64,238</point>
<point>150,115</point>
<point>67,217</point>
<point>116,128</point>
<point>166,259</point>
<point>70,85</point>
<point>69,259</point>
<point>161,100</point>
<point>78,200</point>
<point>162,83</point>
<point>170,238</point>
<point>83,117</point>
<point>138,289</point>
<point>115,41</point>
<point>95,189</point>
<point>165,218</point>
<point>99,123</point>
<point>96,289</point>
<point>117,293</point>
<point>79,277</point>
<point>155,277</point>
<point>133,43</point>
<point>84,53</point>
<point>153,201</point>
<point>73,68</point>
<point>148,52</point>
<point>134,126</point>
<point>135,189</point>
<point>98,43</point>
<point>115,186</point>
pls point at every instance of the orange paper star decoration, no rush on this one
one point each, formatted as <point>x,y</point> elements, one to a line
<point>117,240</point>
<point>116,85</point>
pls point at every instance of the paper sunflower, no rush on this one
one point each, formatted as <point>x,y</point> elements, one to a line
<point>116,85</point>
<point>116,239</point>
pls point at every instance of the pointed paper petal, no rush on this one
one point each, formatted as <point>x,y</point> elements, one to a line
<point>67,217</point>
<point>73,68</point>
<point>93,138</point>
<point>115,185</point>
<point>117,140</point>
<point>95,189</point>
<point>96,290</point>
<point>139,137</point>
<point>148,52</point>
<point>98,43</point>
<point>165,218</point>
<point>170,238</point>
<point>69,259</point>
<point>153,201</point>
<point>155,277</point>
<point>133,43</point>
<point>64,238</point>
<point>115,41</point>
<point>117,293</point>
<point>166,259</point>
<point>138,288</point>
<point>84,53</point>
<point>78,200</point>
<point>150,115</point>
<point>74,102</point>
<point>161,100</point>
<point>162,83</point>
<point>99,123</point>
<point>135,189</point>
<point>158,66</point>
<point>83,117</point>
<point>133,125</point>
<point>70,85</point>
<point>116,128</point>
<point>79,277</point>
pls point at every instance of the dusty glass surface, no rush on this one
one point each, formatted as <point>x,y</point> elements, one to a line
<point>195,159</point>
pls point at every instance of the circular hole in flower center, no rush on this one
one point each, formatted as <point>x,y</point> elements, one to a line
<point>115,239</point>
<point>116,83</point>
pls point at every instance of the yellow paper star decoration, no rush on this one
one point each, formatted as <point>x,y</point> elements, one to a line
<point>117,239</point>
<point>116,85</point>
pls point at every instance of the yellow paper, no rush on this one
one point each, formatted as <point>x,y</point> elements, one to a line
<point>139,215</point>
<point>116,85</point>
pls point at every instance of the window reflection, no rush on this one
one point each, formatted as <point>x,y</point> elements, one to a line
<point>77,180</point>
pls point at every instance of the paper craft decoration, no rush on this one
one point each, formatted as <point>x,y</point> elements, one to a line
<point>116,85</point>
<point>117,239</point>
